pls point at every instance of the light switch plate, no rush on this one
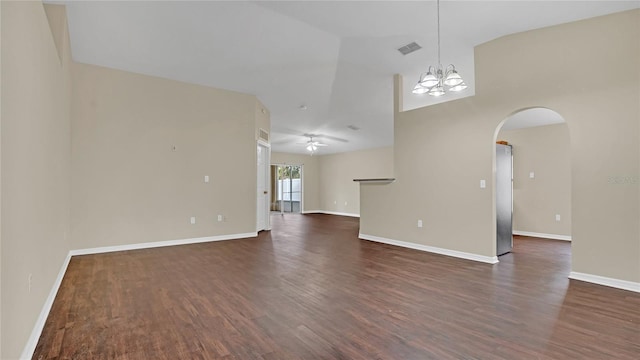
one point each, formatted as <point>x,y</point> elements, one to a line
<point>532,175</point>
<point>483,184</point>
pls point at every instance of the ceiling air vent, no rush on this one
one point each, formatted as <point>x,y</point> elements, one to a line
<point>263,135</point>
<point>409,48</point>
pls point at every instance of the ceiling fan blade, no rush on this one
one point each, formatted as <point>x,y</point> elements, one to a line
<point>329,137</point>
<point>320,144</point>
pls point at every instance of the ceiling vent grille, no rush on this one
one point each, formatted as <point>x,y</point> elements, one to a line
<point>409,48</point>
<point>263,135</point>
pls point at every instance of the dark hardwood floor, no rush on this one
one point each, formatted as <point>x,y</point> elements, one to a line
<point>309,289</point>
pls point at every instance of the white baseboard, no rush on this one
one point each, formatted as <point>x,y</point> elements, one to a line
<point>606,281</point>
<point>156,244</point>
<point>542,235</point>
<point>311,212</point>
<point>30,347</point>
<point>431,249</point>
<point>331,213</point>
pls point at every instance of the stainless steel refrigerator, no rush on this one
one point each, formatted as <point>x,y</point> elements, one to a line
<point>504,198</point>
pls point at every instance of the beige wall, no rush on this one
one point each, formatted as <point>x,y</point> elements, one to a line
<point>0,184</point>
<point>310,176</point>
<point>442,151</point>
<point>119,131</point>
<point>328,179</point>
<point>35,166</point>
<point>545,151</point>
<point>131,186</point>
<point>338,192</point>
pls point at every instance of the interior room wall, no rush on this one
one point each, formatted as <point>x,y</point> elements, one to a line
<point>310,177</point>
<point>141,147</point>
<point>0,183</point>
<point>36,155</point>
<point>545,151</point>
<point>338,192</point>
<point>328,179</point>
<point>443,151</point>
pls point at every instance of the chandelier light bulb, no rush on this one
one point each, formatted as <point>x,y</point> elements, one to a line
<point>437,90</point>
<point>428,80</point>
<point>419,89</point>
<point>453,79</point>
<point>458,87</point>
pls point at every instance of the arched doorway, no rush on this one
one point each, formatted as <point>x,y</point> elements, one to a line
<point>539,180</point>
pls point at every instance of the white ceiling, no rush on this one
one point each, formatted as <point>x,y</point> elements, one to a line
<point>337,58</point>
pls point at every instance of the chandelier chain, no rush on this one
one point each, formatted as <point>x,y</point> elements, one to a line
<point>439,63</point>
<point>438,79</point>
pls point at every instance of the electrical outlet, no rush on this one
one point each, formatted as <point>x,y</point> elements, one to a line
<point>193,220</point>
<point>557,217</point>
<point>419,223</point>
<point>532,175</point>
<point>220,217</point>
<point>483,184</point>
<point>206,178</point>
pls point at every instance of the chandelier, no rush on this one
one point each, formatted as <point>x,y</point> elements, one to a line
<point>438,79</point>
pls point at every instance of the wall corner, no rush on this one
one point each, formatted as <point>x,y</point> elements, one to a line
<point>398,101</point>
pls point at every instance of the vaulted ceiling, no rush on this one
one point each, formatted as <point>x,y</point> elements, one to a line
<point>319,66</point>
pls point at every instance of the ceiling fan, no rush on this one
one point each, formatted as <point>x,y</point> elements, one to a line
<point>312,146</point>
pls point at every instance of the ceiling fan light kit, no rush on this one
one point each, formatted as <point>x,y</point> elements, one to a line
<point>438,79</point>
<point>312,146</point>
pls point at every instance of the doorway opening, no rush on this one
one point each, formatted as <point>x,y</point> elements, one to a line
<point>532,178</point>
<point>286,188</point>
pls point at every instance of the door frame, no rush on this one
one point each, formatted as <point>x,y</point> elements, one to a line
<point>267,185</point>
<point>301,166</point>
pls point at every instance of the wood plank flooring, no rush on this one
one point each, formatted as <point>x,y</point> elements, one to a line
<point>310,289</point>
